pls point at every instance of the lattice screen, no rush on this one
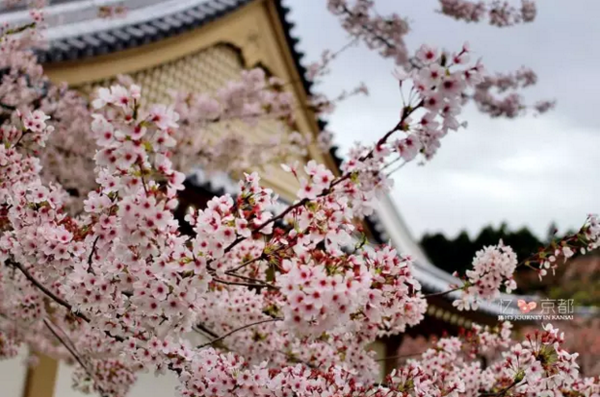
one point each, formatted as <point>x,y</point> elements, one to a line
<point>204,71</point>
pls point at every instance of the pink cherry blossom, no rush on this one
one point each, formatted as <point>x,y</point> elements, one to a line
<point>288,300</point>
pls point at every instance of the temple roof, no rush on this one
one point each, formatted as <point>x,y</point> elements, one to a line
<point>75,30</point>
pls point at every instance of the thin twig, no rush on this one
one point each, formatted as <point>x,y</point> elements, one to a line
<point>408,110</point>
<point>218,280</point>
<point>250,279</point>
<point>501,392</point>
<point>200,328</point>
<point>71,348</point>
<point>396,169</point>
<point>205,330</point>
<point>249,262</point>
<point>143,180</point>
<point>91,256</point>
<point>368,29</point>
<point>442,293</point>
<point>56,298</point>
<point>220,338</point>
<point>399,356</point>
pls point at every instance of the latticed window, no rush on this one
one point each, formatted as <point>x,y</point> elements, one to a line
<point>203,72</point>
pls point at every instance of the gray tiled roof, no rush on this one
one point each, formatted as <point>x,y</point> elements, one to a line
<point>76,32</point>
<point>89,38</point>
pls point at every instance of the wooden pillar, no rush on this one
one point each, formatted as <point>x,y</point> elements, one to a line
<point>392,345</point>
<point>41,379</point>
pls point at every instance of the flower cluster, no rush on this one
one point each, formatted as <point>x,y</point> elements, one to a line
<point>441,83</point>
<point>538,366</point>
<point>375,296</point>
<point>107,377</point>
<point>499,12</point>
<point>383,34</point>
<point>213,131</point>
<point>9,347</point>
<point>435,102</point>
<point>513,104</point>
<point>493,268</point>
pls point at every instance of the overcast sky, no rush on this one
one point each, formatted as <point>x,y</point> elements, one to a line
<point>529,171</point>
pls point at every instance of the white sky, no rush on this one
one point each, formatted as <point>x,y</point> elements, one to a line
<point>528,171</point>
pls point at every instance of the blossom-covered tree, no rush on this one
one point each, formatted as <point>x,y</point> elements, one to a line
<point>288,300</point>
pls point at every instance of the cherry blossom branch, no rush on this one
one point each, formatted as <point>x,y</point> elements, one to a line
<point>443,293</point>
<point>399,356</point>
<point>45,290</point>
<point>205,330</point>
<point>220,338</point>
<point>91,256</point>
<point>406,112</point>
<point>56,298</point>
<point>254,285</point>
<point>494,266</point>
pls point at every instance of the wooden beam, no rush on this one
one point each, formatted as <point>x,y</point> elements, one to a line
<point>41,378</point>
<point>392,345</point>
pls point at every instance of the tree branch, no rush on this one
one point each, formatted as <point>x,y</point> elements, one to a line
<point>220,338</point>
<point>56,298</point>
<point>502,392</point>
<point>442,293</point>
<point>407,111</point>
<point>71,348</point>
<point>45,290</point>
<point>205,330</point>
<point>91,256</point>
<point>262,285</point>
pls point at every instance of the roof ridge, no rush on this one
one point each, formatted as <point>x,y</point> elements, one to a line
<point>103,37</point>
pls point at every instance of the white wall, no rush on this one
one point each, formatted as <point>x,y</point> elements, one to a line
<point>12,375</point>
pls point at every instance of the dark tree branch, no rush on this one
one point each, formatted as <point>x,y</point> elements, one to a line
<point>45,290</point>
<point>220,338</point>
